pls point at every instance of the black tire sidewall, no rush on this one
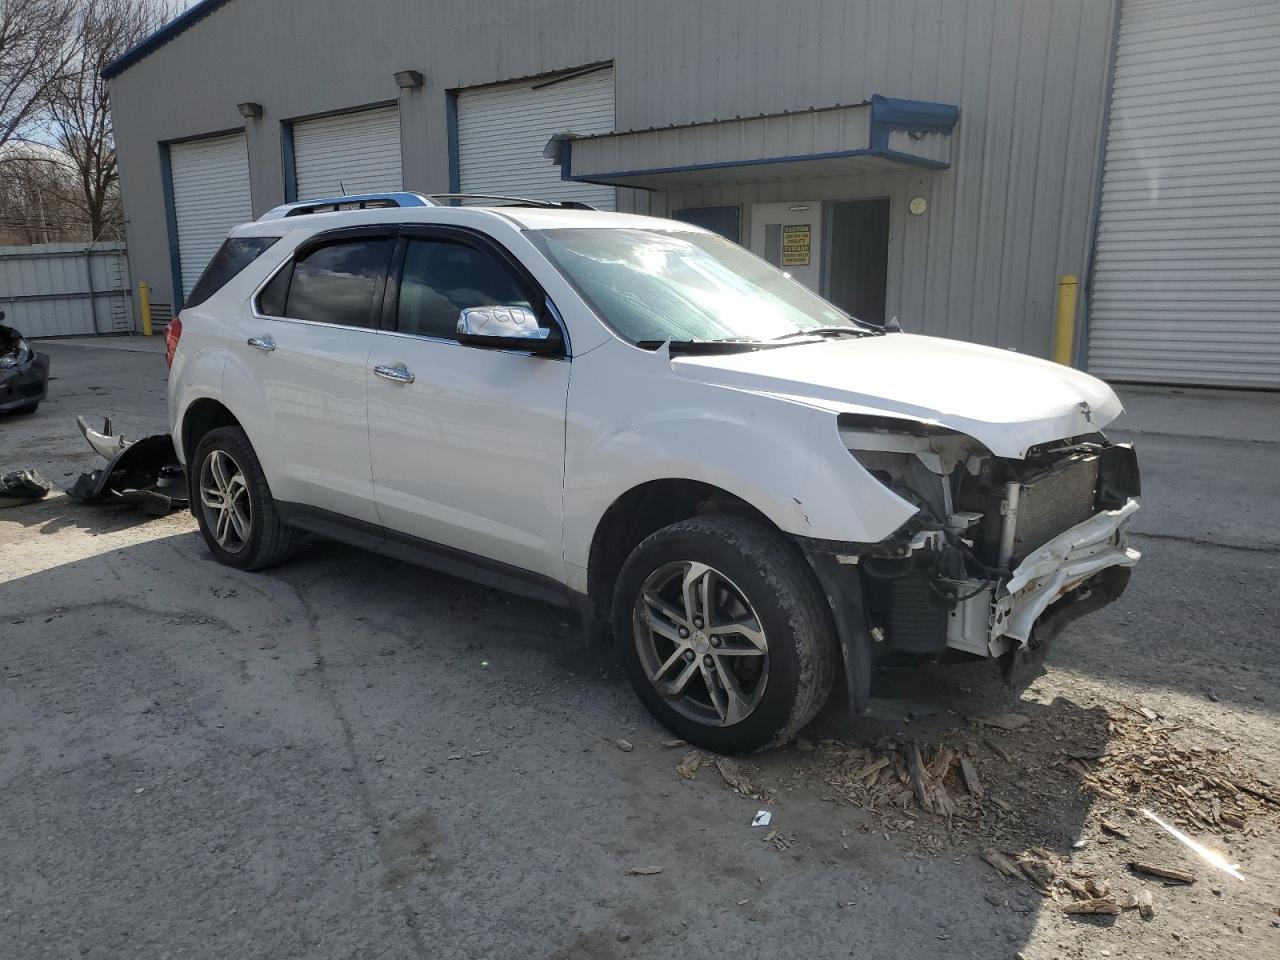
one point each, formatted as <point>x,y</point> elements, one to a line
<point>780,614</point>
<point>233,441</point>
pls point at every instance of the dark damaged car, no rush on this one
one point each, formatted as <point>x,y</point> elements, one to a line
<point>24,374</point>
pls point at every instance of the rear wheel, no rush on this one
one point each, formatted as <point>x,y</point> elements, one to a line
<point>724,633</point>
<point>233,503</point>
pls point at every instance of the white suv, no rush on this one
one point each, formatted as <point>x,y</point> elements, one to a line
<point>638,419</point>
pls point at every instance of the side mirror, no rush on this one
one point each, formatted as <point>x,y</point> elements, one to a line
<point>506,328</point>
<point>892,325</point>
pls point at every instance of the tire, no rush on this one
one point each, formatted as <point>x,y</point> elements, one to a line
<point>256,541</point>
<point>761,583</point>
<point>29,408</point>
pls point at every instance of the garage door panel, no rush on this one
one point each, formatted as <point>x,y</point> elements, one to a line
<point>1186,285</point>
<point>210,182</point>
<point>357,152</point>
<point>502,131</point>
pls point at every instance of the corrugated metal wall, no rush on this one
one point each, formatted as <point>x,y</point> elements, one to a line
<point>64,289</point>
<point>1013,212</point>
<point>1186,284</point>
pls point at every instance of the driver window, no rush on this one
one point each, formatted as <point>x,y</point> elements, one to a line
<point>441,279</point>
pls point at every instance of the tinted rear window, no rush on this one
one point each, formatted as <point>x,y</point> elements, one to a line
<point>234,255</point>
<point>335,283</point>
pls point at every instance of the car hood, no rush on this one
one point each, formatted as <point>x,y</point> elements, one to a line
<point>1006,401</point>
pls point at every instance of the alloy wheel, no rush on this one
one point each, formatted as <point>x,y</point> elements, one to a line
<point>224,499</point>
<point>701,643</point>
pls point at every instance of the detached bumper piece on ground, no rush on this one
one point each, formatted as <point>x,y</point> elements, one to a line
<point>24,374</point>
<point>145,472</point>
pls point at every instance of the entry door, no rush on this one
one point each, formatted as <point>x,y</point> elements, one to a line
<point>467,443</point>
<point>789,236</point>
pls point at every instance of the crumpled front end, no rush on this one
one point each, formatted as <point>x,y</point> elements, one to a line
<point>1002,552</point>
<point>24,374</point>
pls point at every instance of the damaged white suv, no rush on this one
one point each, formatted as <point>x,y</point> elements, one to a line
<point>638,419</point>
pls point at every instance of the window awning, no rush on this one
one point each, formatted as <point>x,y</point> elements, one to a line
<point>882,134</point>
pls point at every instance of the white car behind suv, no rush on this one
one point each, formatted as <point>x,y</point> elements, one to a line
<point>641,420</point>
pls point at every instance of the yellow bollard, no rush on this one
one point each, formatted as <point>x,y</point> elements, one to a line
<point>1064,331</point>
<point>144,300</point>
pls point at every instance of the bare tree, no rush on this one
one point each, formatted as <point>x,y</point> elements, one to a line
<point>80,112</point>
<point>37,46</point>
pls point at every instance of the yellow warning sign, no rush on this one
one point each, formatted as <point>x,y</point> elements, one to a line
<point>795,245</point>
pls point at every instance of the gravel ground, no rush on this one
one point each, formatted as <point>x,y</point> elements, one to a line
<point>349,757</point>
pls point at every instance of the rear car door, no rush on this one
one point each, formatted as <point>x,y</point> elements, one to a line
<point>466,442</point>
<point>308,344</point>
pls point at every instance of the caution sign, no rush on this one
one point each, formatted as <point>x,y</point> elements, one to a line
<point>796,240</point>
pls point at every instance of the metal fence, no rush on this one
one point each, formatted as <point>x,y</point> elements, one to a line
<point>66,289</point>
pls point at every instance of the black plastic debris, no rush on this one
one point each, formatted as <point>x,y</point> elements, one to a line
<point>22,486</point>
<point>144,472</point>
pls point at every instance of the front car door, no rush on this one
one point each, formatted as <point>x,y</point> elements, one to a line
<point>466,443</point>
<point>307,347</point>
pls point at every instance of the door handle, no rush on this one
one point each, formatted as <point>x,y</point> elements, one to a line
<point>398,374</point>
<point>265,344</point>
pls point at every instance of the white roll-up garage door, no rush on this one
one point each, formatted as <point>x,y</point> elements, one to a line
<point>502,131</point>
<point>210,196</point>
<point>348,153</point>
<point>1186,281</point>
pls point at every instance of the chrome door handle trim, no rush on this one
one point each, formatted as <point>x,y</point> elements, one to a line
<point>398,373</point>
<point>262,343</point>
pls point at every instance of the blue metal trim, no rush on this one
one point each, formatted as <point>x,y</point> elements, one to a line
<point>399,199</point>
<point>451,126</point>
<point>171,227</point>
<point>603,178</point>
<point>890,113</point>
<point>158,39</point>
<point>288,162</point>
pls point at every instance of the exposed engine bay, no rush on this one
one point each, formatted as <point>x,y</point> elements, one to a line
<point>1002,553</point>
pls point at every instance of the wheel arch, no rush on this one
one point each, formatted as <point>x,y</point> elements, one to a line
<point>201,416</point>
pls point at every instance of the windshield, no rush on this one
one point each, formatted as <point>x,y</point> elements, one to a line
<point>652,285</point>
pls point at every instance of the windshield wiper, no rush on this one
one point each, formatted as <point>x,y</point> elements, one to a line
<point>708,346</point>
<point>831,332</point>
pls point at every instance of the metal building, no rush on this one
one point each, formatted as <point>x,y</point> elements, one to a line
<point>941,161</point>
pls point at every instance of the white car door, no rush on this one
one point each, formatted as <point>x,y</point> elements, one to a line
<point>466,442</point>
<point>307,346</point>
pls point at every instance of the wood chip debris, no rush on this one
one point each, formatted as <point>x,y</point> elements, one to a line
<point>1094,906</point>
<point>689,764</point>
<point>672,744</point>
<point>1164,873</point>
<point>1001,721</point>
<point>625,746</point>
<point>1146,905</point>
<point>642,871</point>
<point>970,774</point>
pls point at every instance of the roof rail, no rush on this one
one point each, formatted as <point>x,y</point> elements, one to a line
<point>361,201</point>
<point>512,201</point>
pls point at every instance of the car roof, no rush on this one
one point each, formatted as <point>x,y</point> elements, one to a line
<point>524,218</point>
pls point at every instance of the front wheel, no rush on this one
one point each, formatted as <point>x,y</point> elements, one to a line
<point>724,633</point>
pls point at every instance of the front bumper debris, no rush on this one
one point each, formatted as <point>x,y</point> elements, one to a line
<point>145,472</point>
<point>1052,572</point>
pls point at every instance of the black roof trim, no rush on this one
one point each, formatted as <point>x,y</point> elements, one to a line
<point>189,18</point>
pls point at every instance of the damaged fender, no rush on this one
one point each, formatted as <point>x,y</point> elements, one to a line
<point>143,472</point>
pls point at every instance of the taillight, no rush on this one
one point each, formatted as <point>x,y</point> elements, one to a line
<point>171,335</point>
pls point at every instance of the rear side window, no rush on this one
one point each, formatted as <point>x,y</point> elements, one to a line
<point>234,255</point>
<point>334,283</point>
